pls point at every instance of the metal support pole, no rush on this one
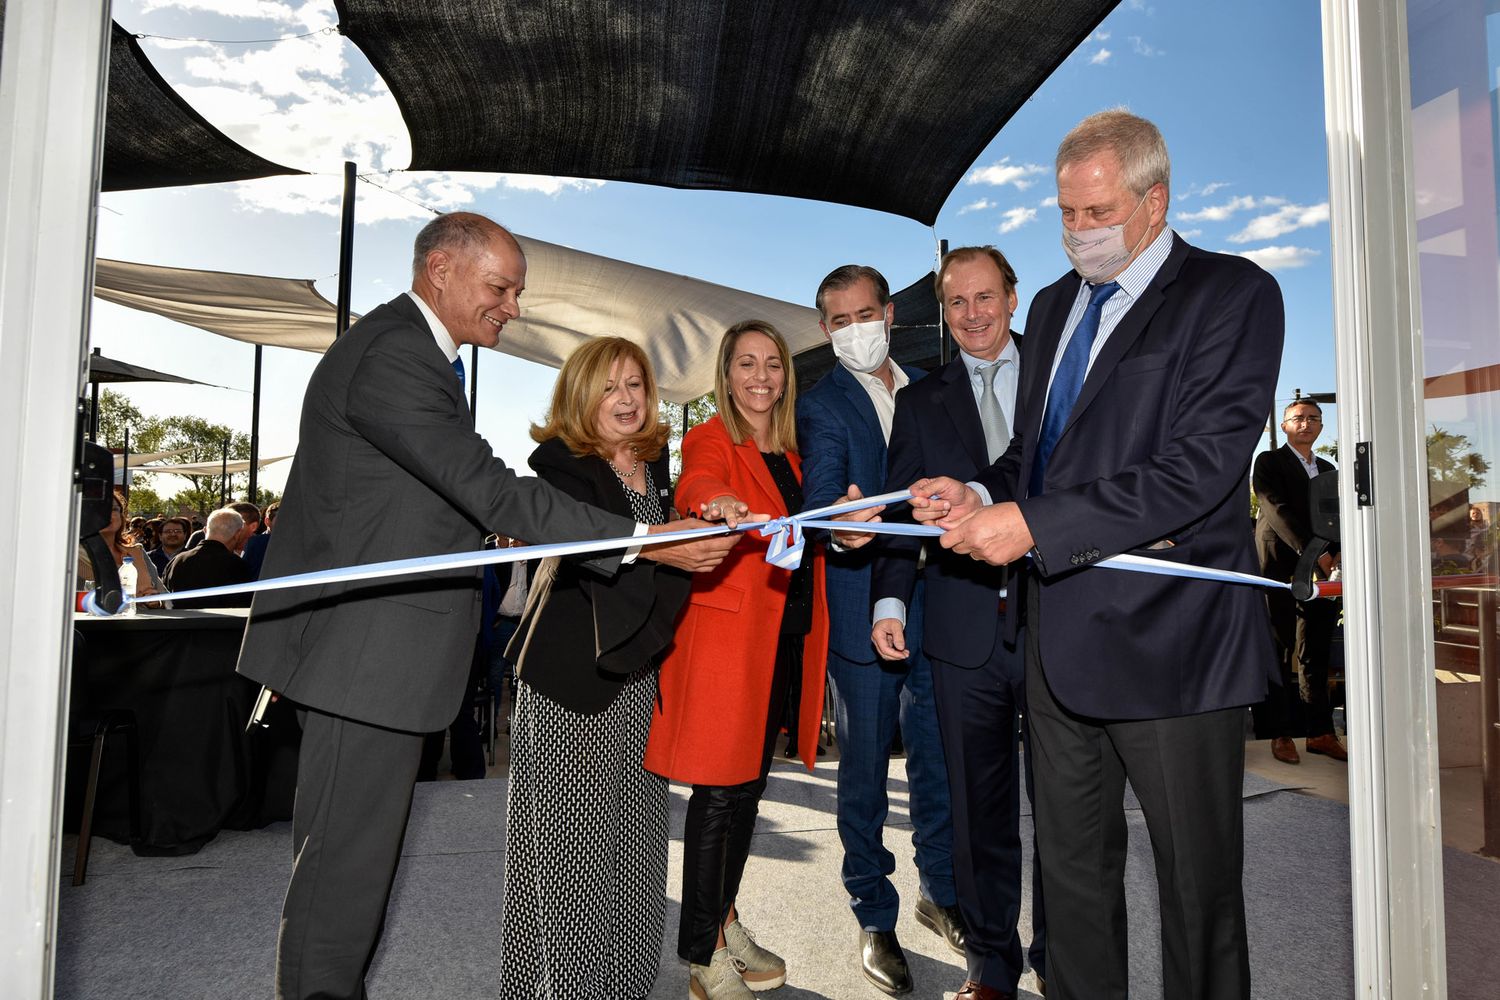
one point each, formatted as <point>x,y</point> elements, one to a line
<point>255,432</point>
<point>224,476</point>
<point>945,336</point>
<point>1489,719</point>
<point>125,469</point>
<point>473,377</point>
<point>346,251</point>
<point>94,412</point>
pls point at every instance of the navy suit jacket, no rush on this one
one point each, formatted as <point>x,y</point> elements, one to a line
<point>937,432</point>
<point>839,438</point>
<point>1156,451</point>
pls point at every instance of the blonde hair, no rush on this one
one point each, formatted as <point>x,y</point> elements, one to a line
<point>581,387</point>
<point>783,436</point>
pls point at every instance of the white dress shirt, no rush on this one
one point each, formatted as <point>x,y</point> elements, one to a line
<point>883,399</point>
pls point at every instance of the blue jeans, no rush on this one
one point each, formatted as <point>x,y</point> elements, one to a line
<point>871,700</point>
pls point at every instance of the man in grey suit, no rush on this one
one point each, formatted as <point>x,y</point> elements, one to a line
<point>388,467</point>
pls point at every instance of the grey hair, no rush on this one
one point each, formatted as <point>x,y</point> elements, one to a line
<point>455,231</point>
<point>1133,140</point>
<point>224,524</point>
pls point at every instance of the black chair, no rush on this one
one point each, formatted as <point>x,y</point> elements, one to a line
<point>93,728</point>
<point>483,704</point>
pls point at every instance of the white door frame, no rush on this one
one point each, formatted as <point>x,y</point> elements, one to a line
<point>52,84</point>
<point>1394,816</point>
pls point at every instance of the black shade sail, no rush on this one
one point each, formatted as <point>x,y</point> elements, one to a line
<point>876,103</point>
<point>153,138</point>
<point>102,369</point>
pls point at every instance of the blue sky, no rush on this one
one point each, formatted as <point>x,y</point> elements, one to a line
<point>1237,90</point>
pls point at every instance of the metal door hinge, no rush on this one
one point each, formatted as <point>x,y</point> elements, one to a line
<point>1364,487</point>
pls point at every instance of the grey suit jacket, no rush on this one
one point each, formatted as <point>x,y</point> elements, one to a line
<point>389,466</point>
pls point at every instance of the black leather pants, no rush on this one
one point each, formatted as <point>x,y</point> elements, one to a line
<point>720,823</point>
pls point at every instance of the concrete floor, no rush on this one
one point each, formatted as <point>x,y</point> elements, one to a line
<point>1462,789</point>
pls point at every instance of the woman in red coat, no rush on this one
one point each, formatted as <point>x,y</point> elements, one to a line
<point>747,629</point>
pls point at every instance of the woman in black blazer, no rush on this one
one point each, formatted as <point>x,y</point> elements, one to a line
<point>586,838</point>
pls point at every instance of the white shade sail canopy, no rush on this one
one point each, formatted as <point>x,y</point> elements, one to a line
<point>206,468</point>
<point>570,296</point>
<point>138,459</point>
<point>279,312</point>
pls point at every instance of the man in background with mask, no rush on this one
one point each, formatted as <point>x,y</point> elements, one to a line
<point>1149,371</point>
<point>843,426</point>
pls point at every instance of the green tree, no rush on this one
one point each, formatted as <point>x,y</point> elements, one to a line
<point>682,419</point>
<point>1451,459</point>
<point>203,441</point>
<point>144,501</point>
<point>118,414</point>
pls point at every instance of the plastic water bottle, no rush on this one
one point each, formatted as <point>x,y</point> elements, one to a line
<point>127,583</point>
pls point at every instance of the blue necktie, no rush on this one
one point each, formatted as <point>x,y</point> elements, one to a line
<point>1068,380</point>
<point>458,369</point>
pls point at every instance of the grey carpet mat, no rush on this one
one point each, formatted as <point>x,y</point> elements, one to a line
<point>204,926</point>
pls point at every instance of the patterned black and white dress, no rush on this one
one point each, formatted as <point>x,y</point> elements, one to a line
<point>586,843</point>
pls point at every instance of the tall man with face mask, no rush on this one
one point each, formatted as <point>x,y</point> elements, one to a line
<point>843,426</point>
<point>1149,370</point>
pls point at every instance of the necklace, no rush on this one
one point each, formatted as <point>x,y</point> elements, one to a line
<point>627,476</point>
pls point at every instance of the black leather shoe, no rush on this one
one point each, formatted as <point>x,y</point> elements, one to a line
<point>883,962</point>
<point>944,921</point>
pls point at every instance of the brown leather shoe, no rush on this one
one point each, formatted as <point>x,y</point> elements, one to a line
<point>979,991</point>
<point>1285,750</point>
<point>1328,745</point>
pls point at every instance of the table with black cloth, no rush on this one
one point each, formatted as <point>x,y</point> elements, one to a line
<point>201,772</point>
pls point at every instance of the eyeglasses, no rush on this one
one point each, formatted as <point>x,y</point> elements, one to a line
<point>1304,420</point>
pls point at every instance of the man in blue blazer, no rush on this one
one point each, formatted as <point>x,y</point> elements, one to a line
<point>1150,369</point>
<point>955,423</point>
<point>843,424</point>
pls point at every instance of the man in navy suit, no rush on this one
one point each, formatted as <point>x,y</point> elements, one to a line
<point>1150,368</point>
<point>843,424</point>
<point>955,423</point>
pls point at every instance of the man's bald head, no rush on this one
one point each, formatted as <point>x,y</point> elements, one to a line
<point>471,272</point>
<point>457,232</point>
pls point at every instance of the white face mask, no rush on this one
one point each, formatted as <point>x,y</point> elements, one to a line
<point>1098,253</point>
<point>861,347</point>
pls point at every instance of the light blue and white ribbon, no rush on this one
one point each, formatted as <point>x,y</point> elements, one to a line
<point>787,541</point>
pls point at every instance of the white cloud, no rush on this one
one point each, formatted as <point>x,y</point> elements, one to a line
<point>1098,36</point>
<point>1100,58</point>
<point>268,10</point>
<point>548,185</point>
<point>1203,191</point>
<point>1144,48</point>
<point>1218,213</point>
<point>1277,258</point>
<point>1006,172</point>
<point>294,103</point>
<point>1141,5</point>
<point>976,206</point>
<point>1188,234</point>
<point>1050,202</point>
<point>1286,219</point>
<point>1015,218</point>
